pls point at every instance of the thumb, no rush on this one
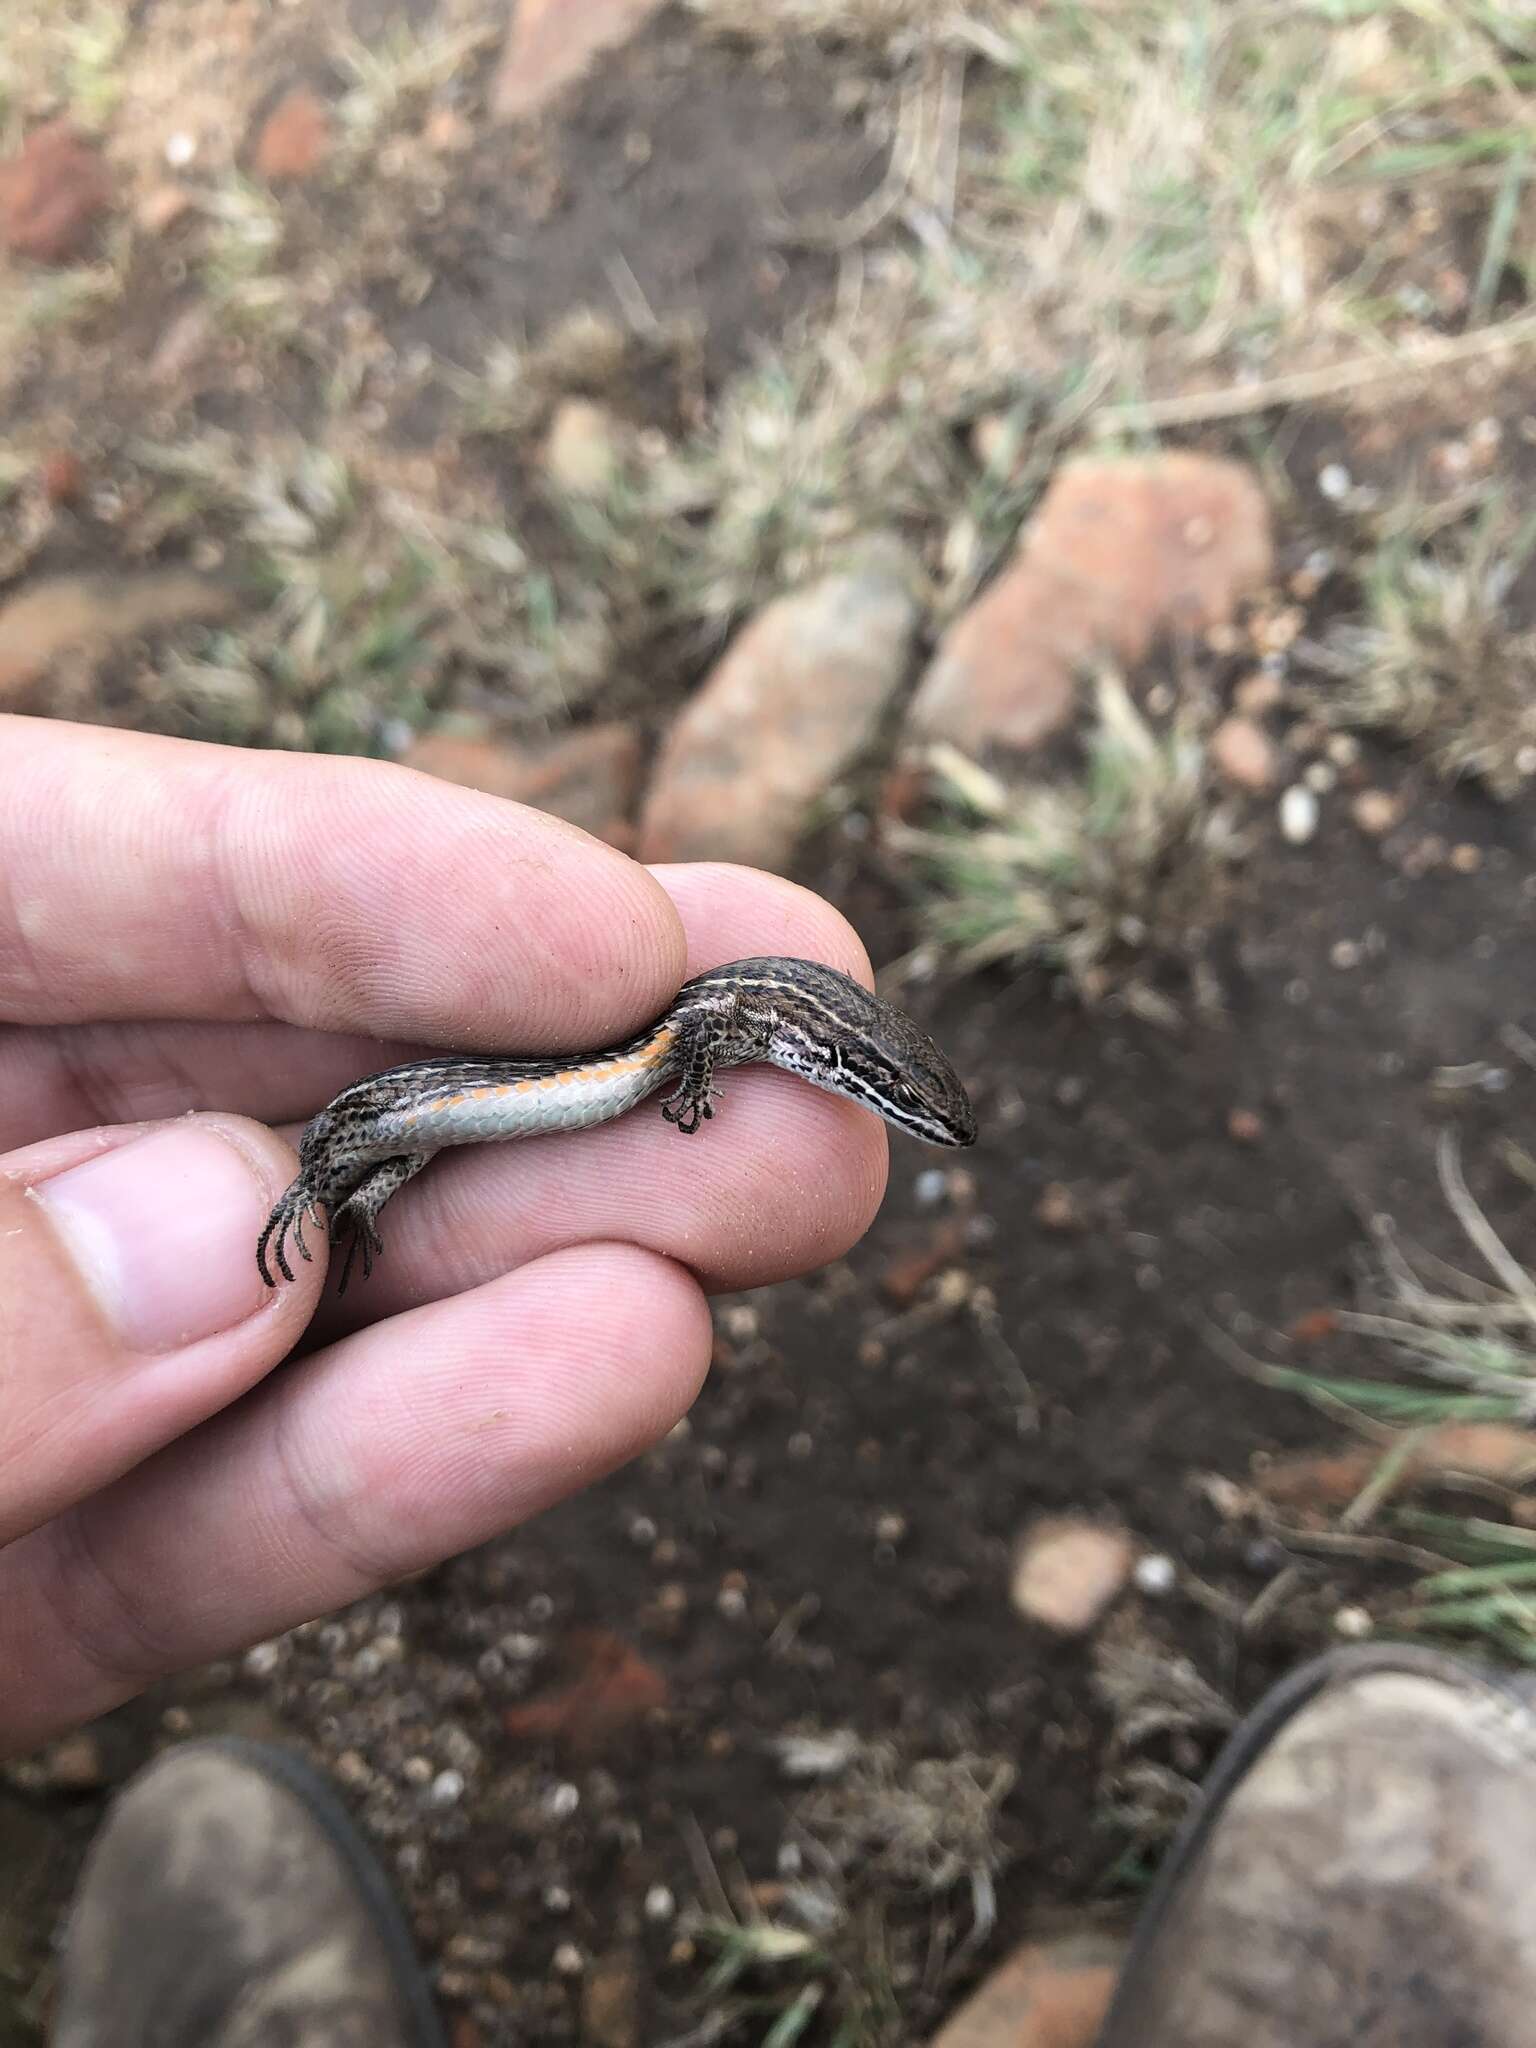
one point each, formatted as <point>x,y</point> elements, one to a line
<point>130,1304</point>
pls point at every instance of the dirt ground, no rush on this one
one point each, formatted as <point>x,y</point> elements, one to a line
<point>826,1545</point>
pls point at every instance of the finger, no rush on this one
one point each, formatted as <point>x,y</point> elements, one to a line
<point>735,913</point>
<point>782,1179</point>
<point>74,1077</point>
<point>146,877</point>
<point>83,1075</point>
<point>396,1448</point>
<point>130,1304</point>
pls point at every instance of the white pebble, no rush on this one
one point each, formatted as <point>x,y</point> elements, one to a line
<point>1156,1574</point>
<point>180,149</point>
<point>1352,1621</point>
<point>1298,814</point>
<point>447,1788</point>
<point>1334,481</point>
<point>1321,776</point>
<point>659,1903</point>
<point>563,1801</point>
<point>569,1960</point>
<point>929,1188</point>
<point>556,1899</point>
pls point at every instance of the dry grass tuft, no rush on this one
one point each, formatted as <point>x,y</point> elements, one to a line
<point>1126,867</point>
<point>1437,661</point>
<point>842,1948</point>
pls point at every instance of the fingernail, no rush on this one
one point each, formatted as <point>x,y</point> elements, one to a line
<point>163,1230</point>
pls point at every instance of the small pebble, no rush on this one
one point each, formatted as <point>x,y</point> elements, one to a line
<point>1156,1574</point>
<point>556,1899</point>
<point>929,1188</point>
<point>1353,1622</point>
<point>568,1960</point>
<point>1298,814</point>
<point>1334,481</point>
<point>1345,954</point>
<point>447,1788</point>
<point>890,1528</point>
<point>659,1903</point>
<point>1374,812</point>
<point>1245,1126</point>
<point>180,149</point>
<point>1466,859</point>
<point>1321,776</point>
<point>1256,694</point>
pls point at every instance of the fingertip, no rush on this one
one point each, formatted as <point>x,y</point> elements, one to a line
<point>731,913</point>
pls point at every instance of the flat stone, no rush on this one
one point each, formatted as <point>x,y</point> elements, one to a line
<point>52,193</point>
<point>792,703</point>
<point>1244,754</point>
<point>1047,1994</point>
<point>552,43</point>
<point>295,138</point>
<point>46,619</point>
<point>1119,554</point>
<point>1069,1571</point>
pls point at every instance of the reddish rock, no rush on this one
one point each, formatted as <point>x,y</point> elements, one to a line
<point>906,1276</point>
<point>609,1691</point>
<point>1244,754</point>
<point>1245,1127</point>
<point>295,138</point>
<point>1119,553</point>
<point>1497,1451</point>
<point>1047,1994</point>
<point>161,207</point>
<point>1314,1326</point>
<point>591,778</point>
<point>52,194</point>
<point>46,619</point>
<point>551,43</point>
<point>61,475</point>
<point>794,700</point>
<point>1375,812</point>
<point>1068,1572</point>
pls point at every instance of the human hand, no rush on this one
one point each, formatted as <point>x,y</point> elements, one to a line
<point>185,925</point>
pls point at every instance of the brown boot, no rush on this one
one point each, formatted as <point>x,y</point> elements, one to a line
<point>228,1902</point>
<point>1361,1871</point>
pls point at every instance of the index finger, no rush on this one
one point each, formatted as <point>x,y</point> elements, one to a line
<point>148,877</point>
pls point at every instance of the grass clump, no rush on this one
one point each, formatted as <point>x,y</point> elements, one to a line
<point>1100,877</point>
<point>370,604</point>
<point>843,1949</point>
<point>1452,1409</point>
<point>1436,661</point>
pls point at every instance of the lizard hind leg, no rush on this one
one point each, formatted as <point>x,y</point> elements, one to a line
<point>355,1220</point>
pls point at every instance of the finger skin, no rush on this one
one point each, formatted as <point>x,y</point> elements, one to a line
<point>67,1077</point>
<point>783,1178</point>
<point>381,1455</point>
<point>80,1407</point>
<point>144,878</point>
